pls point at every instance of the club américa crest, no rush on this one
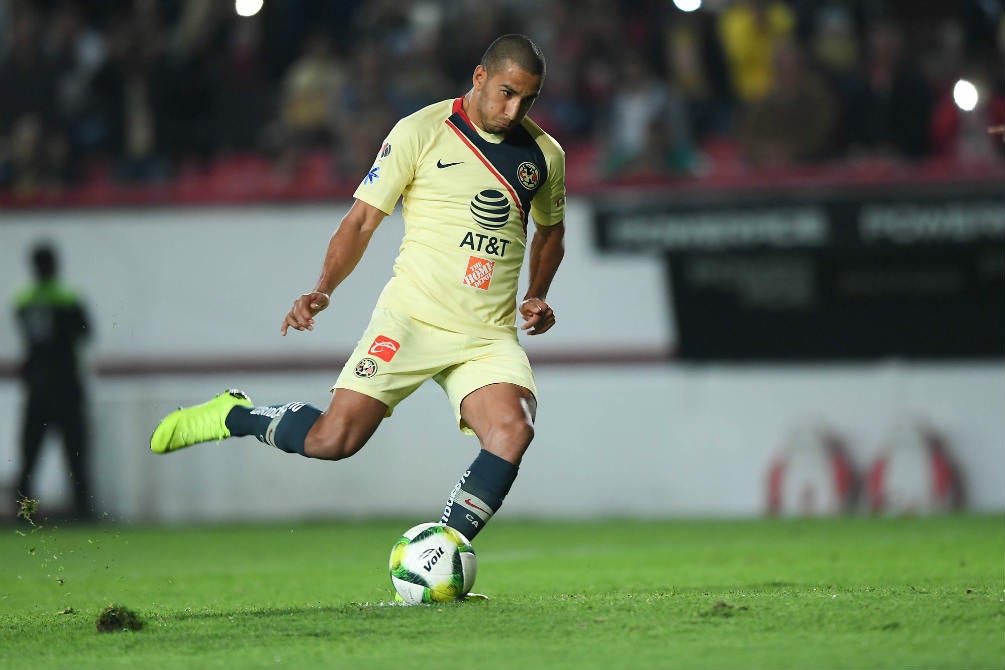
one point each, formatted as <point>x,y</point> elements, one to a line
<point>529,175</point>
<point>367,367</point>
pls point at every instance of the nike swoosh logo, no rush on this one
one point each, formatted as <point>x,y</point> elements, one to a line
<point>471,504</point>
<point>440,164</point>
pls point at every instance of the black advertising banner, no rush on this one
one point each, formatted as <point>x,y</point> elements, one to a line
<point>802,222</point>
<point>831,277</point>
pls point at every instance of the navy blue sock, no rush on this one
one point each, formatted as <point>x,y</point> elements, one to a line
<point>283,426</point>
<point>479,493</point>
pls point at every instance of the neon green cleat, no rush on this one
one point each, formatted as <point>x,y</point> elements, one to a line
<point>200,423</point>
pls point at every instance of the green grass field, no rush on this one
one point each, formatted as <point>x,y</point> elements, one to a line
<point>849,593</point>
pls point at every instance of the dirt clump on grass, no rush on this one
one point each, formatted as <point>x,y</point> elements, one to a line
<point>118,618</point>
<point>723,609</point>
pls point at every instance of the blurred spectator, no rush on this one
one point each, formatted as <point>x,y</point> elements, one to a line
<point>79,52</point>
<point>27,74</point>
<point>835,43</point>
<point>310,89</point>
<point>127,87</point>
<point>599,71</point>
<point>697,67</point>
<point>196,24</point>
<point>794,122</point>
<point>53,323</point>
<point>185,78</point>
<point>410,35</point>
<point>890,107</point>
<point>750,31</point>
<point>419,80</point>
<point>834,47</point>
<point>647,129</point>
<point>32,146</point>
<point>244,97</point>
<point>364,113</point>
<point>397,28</point>
<point>35,162</point>
<point>562,112</point>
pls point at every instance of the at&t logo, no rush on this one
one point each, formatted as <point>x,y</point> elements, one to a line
<point>490,209</point>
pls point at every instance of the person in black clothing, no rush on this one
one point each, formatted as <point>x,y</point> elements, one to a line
<point>890,103</point>
<point>53,322</point>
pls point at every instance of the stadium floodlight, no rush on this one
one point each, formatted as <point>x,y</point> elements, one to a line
<point>687,5</point>
<point>965,95</point>
<point>248,7</point>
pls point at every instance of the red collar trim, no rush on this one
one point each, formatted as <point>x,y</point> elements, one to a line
<point>459,109</point>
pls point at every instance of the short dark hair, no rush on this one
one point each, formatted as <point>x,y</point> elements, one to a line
<point>44,261</point>
<point>519,49</point>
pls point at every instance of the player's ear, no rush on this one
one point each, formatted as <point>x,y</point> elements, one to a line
<point>479,76</point>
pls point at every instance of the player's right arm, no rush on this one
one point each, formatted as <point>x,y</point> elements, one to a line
<point>392,171</point>
<point>345,249</point>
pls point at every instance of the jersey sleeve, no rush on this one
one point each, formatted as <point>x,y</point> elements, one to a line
<point>548,205</point>
<point>393,169</point>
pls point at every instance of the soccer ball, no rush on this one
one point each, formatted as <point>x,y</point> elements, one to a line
<point>432,563</point>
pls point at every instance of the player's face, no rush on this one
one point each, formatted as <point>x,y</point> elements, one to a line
<point>501,99</point>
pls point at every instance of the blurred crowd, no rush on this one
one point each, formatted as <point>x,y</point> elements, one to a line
<point>145,86</point>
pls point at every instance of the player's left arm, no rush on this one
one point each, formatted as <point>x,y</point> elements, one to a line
<point>547,248</point>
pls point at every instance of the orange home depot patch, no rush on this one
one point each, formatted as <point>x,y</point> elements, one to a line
<point>479,272</point>
<point>384,348</point>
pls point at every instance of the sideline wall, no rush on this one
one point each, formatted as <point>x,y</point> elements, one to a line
<point>617,439</point>
<point>205,283</point>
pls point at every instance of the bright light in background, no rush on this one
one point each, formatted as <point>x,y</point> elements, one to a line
<point>965,95</point>
<point>248,7</point>
<point>687,5</point>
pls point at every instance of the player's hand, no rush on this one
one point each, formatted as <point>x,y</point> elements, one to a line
<point>301,315</point>
<point>538,317</point>
<point>997,130</point>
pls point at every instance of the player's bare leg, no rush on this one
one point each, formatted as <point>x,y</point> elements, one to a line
<point>502,416</point>
<point>340,432</point>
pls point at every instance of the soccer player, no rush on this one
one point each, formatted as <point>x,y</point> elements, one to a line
<point>470,172</point>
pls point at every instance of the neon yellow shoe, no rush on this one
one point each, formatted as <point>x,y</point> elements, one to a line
<point>200,423</point>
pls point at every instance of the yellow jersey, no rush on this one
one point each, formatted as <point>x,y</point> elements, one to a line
<point>466,196</point>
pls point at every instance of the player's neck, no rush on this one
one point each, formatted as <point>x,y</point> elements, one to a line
<point>468,108</point>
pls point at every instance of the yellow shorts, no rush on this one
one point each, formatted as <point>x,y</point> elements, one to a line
<point>397,354</point>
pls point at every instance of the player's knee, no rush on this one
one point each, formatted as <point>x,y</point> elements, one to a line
<point>332,440</point>
<point>511,437</point>
<point>524,432</point>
